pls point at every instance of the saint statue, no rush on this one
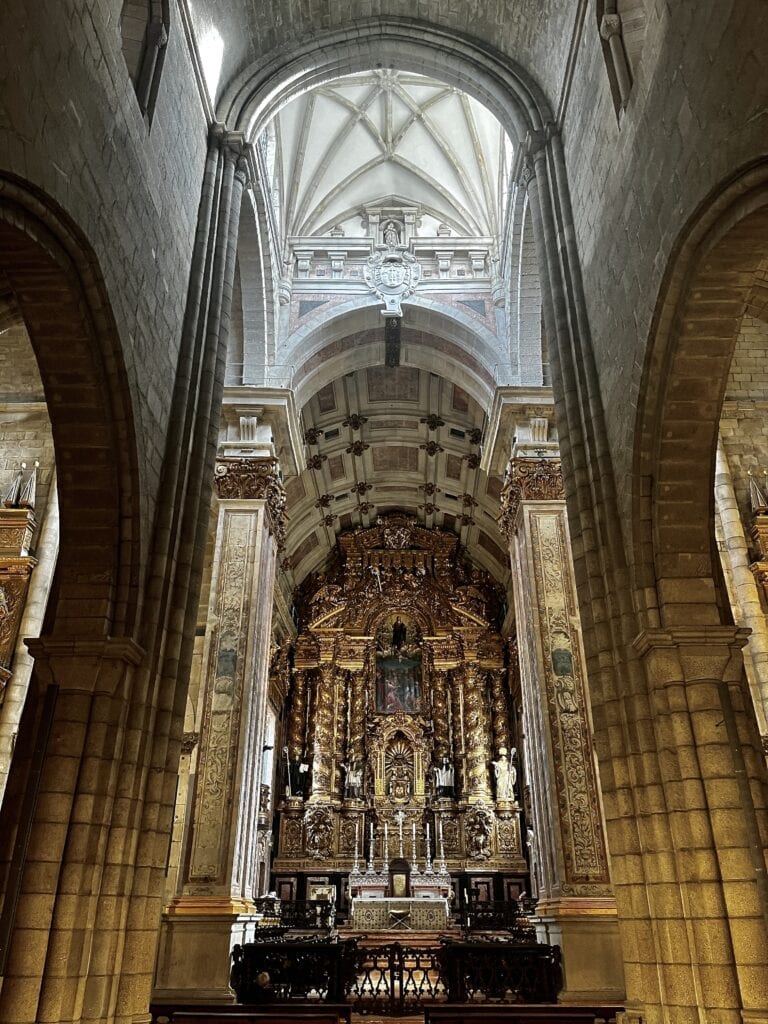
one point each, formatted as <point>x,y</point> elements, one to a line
<point>353,780</point>
<point>297,777</point>
<point>506,776</point>
<point>399,634</point>
<point>444,779</point>
<point>391,234</point>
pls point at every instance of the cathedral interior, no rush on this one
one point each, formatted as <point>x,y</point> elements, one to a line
<point>384,526</point>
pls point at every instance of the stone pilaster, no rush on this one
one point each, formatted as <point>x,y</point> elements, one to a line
<point>220,877</point>
<point>701,800</point>
<point>576,907</point>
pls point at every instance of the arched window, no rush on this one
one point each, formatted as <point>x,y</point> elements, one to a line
<point>144,26</point>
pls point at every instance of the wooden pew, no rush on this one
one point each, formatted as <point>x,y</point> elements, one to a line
<point>461,1013</point>
<point>282,1013</point>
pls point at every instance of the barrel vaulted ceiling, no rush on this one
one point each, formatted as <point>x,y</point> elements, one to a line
<point>388,135</point>
<point>380,440</point>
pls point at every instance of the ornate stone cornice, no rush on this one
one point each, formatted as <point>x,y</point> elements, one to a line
<point>528,480</point>
<point>254,480</point>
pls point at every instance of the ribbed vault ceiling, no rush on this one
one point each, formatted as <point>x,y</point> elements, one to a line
<point>383,136</point>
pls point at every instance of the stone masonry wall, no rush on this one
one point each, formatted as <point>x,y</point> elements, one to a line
<point>696,113</point>
<point>70,125</point>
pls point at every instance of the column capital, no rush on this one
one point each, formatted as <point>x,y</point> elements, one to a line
<point>84,664</point>
<point>610,25</point>
<point>528,480</point>
<point>245,479</point>
<point>686,654</point>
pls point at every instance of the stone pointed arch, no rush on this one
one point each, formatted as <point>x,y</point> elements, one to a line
<point>708,286</point>
<point>53,277</point>
<point>409,44</point>
<point>433,333</point>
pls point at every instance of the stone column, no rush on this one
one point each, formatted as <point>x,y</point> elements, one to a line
<point>701,784</point>
<point>213,909</point>
<point>576,907</point>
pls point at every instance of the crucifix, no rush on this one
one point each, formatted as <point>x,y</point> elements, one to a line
<point>400,818</point>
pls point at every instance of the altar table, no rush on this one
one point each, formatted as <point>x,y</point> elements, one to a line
<point>402,914</point>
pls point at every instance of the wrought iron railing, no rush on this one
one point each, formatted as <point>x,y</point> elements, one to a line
<point>500,916</point>
<point>393,979</point>
<point>501,972</point>
<point>308,914</point>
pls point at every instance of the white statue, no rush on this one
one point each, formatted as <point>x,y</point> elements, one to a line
<point>353,783</point>
<point>444,778</point>
<point>506,776</point>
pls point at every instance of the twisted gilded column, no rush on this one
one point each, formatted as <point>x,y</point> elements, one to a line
<point>440,715</point>
<point>340,719</point>
<point>297,718</point>
<point>499,713</point>
<point>320,742</point>
<point>355,740</point>
<point>458,731</point>
<point>476,728</point>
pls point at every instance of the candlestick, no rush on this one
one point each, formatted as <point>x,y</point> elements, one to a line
<point>401,836</point>
<point>385,866</point>
<point>428,861</point>
<point>357,845</point>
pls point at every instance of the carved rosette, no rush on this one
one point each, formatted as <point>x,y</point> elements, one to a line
<point>254,480</point>
<point>528,480</point>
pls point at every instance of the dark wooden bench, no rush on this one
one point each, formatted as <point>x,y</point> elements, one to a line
<point>282,1013</point>
<point>460,1013</point>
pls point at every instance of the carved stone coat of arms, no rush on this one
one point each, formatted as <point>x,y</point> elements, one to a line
<point>392,275</point>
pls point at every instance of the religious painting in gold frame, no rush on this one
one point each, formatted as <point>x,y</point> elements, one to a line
<point>398,667</point>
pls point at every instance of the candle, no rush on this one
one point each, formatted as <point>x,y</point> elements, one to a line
<point>357,837</point>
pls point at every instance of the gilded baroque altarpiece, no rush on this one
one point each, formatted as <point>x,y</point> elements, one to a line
<point>399,739</point>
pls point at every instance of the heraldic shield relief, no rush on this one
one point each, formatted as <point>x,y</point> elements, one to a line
<point>392,275</point>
